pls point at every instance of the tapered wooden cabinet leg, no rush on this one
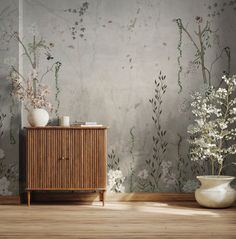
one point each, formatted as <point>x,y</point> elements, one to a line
<point>28,198</point>
<point>101,197</point>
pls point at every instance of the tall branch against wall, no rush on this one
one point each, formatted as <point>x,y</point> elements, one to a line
<point>200,40</point>
<point>18,39</point>
<point>228,55</point>
<point>12,117</point>
<point>57,68</point>
<point>113,161</point>
<point>159,141</point>
<point>180,69</point>
<point>226,51</point>
<point>131,168</point>
<point>183,165</point>
<point>2,118</point>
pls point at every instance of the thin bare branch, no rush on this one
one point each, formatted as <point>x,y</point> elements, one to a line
<point>47,71</point>
<point>216,59</point>
<point>209,75</point>
<point>190,37</point>
<point>14,69</point>
<point>25,50</point>
<point>206,28</point>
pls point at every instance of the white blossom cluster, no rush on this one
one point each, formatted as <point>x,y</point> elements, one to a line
<point>214,113</point>
<point>31,92</point>
<point>115,181</point>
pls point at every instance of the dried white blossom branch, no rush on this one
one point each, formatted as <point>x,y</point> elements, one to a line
<point>213,133</point>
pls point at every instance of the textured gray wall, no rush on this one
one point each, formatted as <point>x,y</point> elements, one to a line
<point>9,109</point>
<point>111,53</point>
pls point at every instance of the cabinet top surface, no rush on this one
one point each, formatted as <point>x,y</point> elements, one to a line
<point>70,127</point>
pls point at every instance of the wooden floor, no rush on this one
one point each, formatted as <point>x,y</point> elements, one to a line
<point>117,220</point>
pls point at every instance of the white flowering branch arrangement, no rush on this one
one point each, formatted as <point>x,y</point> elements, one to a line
<point>213,132</point>
<point>30,90</point>
<point>115,181</point>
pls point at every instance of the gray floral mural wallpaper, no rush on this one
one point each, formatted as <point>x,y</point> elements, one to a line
<point>131,65</point>
<point>9,110</point>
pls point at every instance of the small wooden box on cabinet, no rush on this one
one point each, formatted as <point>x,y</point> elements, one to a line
<point>66,158</point>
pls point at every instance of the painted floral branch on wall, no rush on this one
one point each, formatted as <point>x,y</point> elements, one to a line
<point>180,69</point>
<point>200,40</point>
<point>57,69</point>
<point>143,182</point>
<point>115,175</point>
<point>159,142</point>
<point>7,25</point>
<point>113,161</point>
<point>2,118</point>
<point>78,28</point>
<point>217,8</point>
<point>12,117</point>
<point>226,51</point>
<point>186,182</point>
<point>132,162</point>
<point>8,173</point>
<point>182,165</point>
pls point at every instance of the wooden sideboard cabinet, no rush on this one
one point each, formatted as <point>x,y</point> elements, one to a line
<point>66,158</point>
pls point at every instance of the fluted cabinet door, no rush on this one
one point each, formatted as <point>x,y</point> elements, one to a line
<point>44,166</point>
<point>93,159</point>
<point>73,161</point>
<point>54,159</point>
<point>66,158</point>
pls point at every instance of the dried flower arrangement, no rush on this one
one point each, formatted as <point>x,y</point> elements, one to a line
<point>30,90</point>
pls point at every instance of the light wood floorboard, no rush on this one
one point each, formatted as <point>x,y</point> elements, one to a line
<point>117,220</point>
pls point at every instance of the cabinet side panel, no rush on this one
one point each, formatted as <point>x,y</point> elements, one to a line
<point>102,152</point>
<point>31,158</point>
<point>28,158</point>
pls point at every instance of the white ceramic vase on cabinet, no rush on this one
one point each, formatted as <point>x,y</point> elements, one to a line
<point>38,117</point>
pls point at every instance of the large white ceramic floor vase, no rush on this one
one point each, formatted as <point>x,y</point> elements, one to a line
<point>215,191</point>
